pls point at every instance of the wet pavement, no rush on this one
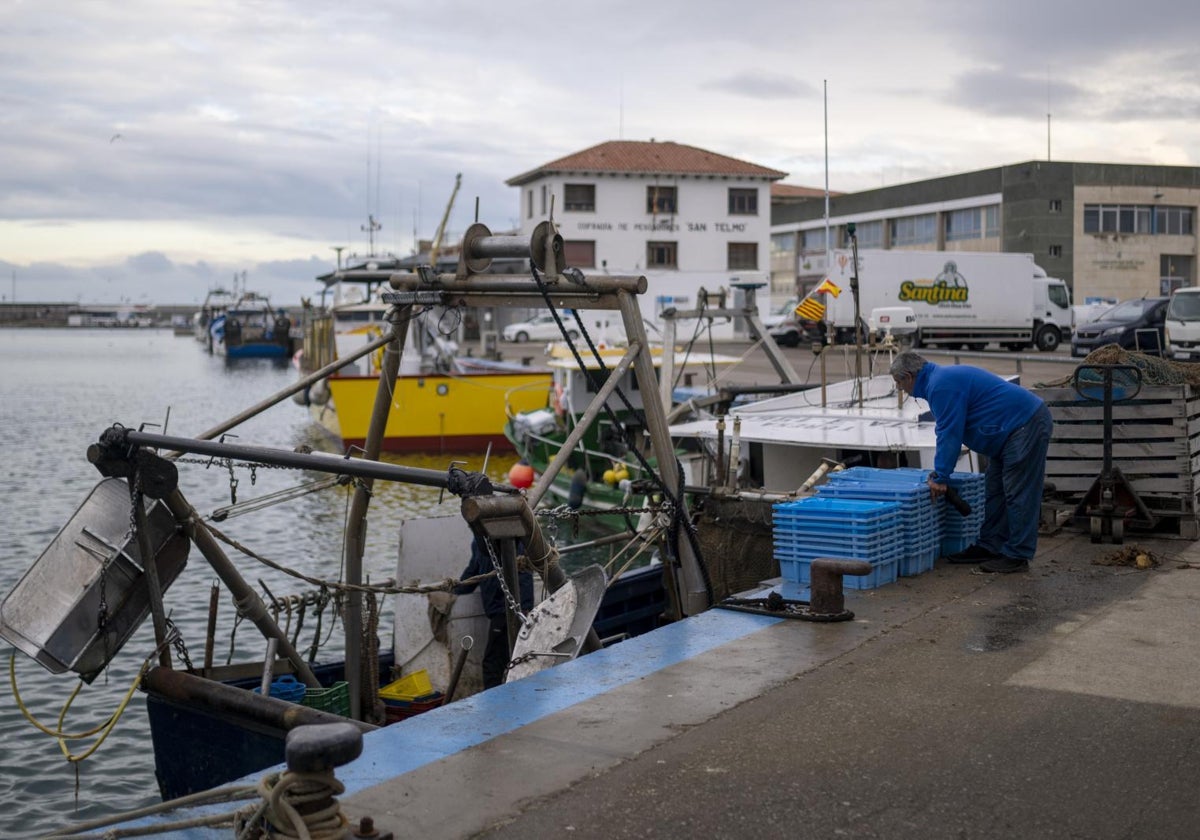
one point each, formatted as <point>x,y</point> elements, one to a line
<point>1064,702</point>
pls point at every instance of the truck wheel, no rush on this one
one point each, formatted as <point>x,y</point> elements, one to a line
<point>977,346</point>
<point>1048,338</point>
<point>916,340</point>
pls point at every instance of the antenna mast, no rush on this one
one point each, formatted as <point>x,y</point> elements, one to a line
<point>370,227</point>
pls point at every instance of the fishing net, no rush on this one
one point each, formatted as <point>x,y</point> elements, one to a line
<point>735,542</point>
<point>1154,370</point>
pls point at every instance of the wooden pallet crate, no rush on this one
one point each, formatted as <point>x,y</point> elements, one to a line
<point>1155,444</point>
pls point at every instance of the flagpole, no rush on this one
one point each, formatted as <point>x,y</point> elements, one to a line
<point>828,255</point>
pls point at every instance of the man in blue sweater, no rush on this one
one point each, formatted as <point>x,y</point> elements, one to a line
<point>1003,421</point>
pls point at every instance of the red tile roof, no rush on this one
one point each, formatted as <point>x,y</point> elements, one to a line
<point>795,191</point>
<point>641,157</point>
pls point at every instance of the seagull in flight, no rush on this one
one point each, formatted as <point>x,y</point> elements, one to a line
<point>114,138</point>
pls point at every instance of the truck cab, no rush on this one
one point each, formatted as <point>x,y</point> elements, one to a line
<point>1182,328</point>
<point>1051,313</point>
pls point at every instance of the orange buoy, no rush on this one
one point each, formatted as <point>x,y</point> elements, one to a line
<point>521,475</point>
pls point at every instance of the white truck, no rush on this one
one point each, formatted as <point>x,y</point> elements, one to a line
<point>963,298</point>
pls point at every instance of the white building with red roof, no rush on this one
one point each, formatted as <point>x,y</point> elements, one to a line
<point>686,218</point>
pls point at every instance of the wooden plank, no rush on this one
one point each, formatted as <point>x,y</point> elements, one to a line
<point>1151,392</point>
<point>1069,466</point>
<point>1094,413</point>
<point>1071,485</point>
<point>1141,449</point>
<point>1121,431</point>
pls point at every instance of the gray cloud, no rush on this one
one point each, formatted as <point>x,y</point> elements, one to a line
<point>1015,94</point>
<point>1067,35</point>
<point>757,85</point>
<point>290,121</point>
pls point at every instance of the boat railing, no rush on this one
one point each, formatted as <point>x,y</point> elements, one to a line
<point>552,444</point>
<point>511,413</point>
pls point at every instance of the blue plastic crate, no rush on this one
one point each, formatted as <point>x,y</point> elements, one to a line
<point>285,687</point>
<point>834,509</point>
<point>912,565</point>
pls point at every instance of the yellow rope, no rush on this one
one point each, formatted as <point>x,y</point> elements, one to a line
<point>63,737</point>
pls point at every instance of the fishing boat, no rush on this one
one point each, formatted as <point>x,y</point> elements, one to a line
<point>216,301</point>
<point>110,566</point>
<point>608,461</point>
<point>251,328</point>
<point>443,400</point>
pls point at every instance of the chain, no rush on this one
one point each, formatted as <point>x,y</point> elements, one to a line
<point>176,640</point>
<point>564,512</point>
<point>534,654</point>
<point>508,596</point>
<point>229,463</point>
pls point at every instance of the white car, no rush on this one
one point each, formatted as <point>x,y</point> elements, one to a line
<point>540,328</point>
<point>784,312</point>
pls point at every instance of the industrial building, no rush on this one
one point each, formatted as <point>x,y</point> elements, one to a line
<point>1109,230</point>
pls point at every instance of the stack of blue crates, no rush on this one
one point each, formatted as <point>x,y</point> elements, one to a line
<point>849,529</point>
<point>920,519</point>
<point>958,531</point>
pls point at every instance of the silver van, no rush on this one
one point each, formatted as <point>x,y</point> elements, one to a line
<point>1182,328</point>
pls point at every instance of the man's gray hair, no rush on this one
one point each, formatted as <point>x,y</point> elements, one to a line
<point>907,362</point>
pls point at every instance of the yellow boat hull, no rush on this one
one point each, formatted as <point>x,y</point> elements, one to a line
<point>436,413</point>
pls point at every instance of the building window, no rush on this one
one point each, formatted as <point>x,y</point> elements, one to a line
<point>991,220</point>
<point>662,255</point>
<point>742,255</point>
<point>1056,205</point>
<point>580,253</point>
<point>1135,218</point>
<point>914,230</point>
<point>579,198</point>
<point>814,241</point>
<point>783,243</point>
<point>1173,221</point>
<point>743,202</point>
<point>660,199</point>
<point>870,234</point>
<point>529,204</point>
<point>1055,250</point>
<point>963,224</point>
<point>543,199</point>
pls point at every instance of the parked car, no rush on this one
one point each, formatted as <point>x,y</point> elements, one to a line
<point>540,328</point>
<point>794,331</point>
<point>1183,324</point>
<point>1134,325</point>
<point>781,313</point>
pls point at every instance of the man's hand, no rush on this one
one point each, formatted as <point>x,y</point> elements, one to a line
<point>936,490</point>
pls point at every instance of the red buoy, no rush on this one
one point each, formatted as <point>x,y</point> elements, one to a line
<point>521,475</point>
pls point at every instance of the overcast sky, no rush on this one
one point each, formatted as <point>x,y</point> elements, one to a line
<point>149,149</point>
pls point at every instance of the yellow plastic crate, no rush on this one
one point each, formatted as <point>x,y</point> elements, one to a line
<point>408,688</point>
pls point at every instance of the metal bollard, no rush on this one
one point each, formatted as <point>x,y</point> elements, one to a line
<point>826,601</point>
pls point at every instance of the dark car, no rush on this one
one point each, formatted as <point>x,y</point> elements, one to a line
<point>1134,325</point>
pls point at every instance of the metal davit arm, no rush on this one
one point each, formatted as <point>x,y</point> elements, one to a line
<point>356,519</point>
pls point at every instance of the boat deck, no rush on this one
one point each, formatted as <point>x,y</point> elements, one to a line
<point>1064,702</point>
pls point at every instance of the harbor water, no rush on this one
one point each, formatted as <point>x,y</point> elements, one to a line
<point>59,390</point>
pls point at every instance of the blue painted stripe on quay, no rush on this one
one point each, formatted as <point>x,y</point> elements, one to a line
<point>434,735</point>
<point>437,734</point>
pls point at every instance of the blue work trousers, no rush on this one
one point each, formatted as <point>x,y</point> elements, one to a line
<point>1013,485</point>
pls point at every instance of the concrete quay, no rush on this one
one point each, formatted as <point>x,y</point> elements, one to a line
<point>1064,702</point>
